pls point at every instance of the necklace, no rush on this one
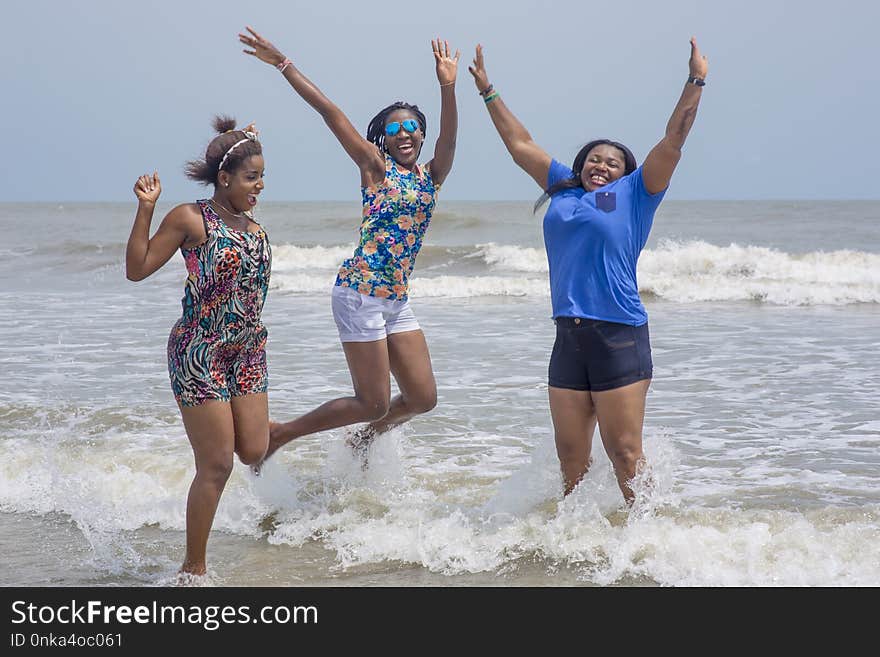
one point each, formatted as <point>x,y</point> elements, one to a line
<point>247,214</point>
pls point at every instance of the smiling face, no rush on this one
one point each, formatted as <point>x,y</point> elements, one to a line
<point>604,164</point>
<point>404,147</point>
<point>244,183</point>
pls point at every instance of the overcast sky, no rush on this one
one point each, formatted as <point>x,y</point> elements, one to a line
<point>96,92</point>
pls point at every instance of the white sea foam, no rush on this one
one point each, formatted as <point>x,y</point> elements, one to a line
<point>477,286</point>
<point>698,271</point>
<point>514,258</point>
<point>685,272</point>
<point>444,507</point>
<point>290,257</point>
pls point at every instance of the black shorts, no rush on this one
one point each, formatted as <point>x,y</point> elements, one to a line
<point>590,354</point>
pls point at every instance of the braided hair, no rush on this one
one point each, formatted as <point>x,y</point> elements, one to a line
<point>206,170</point>
<point>376,129</point>
<point>629,162</point>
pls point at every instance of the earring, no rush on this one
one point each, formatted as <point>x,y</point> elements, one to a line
<point>226,184</point>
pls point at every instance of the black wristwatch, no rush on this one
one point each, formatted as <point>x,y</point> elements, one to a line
<point>700,82</point>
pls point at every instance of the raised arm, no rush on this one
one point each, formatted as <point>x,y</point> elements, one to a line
<point>444,149</point>
<point>364,154</point>
<point>143,256</point>
<point>663,158</point>
<point>533,159</point>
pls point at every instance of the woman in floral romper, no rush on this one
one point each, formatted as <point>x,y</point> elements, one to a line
<point>217,349</point>
<point>377,328</point>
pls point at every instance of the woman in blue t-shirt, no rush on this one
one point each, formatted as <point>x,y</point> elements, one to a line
<point>600,214</point>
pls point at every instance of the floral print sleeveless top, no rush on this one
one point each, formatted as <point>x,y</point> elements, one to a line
<point>396,215</point>
<point>227,282</point>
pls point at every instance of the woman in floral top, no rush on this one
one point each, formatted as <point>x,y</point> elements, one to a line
<point>379,333</point>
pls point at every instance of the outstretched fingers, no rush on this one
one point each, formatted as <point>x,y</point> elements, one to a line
<point>477,69</point>
<point>440,48</point>
<point>246,40</point>
<point>253,40</point>
<point>477,64</point>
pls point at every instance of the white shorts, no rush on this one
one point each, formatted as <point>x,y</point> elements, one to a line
<point>362,318</point>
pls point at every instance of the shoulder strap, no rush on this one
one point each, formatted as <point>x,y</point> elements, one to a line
<point>209,217</point>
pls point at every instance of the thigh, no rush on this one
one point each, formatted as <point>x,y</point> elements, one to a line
<point>411,363</point>
<point>574,418</point>
<point>211,431</point>
<point>368,363</point>
<point>250,418</point>
<point>621,415</point>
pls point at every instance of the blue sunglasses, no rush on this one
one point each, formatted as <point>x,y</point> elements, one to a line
<point>393,128</point>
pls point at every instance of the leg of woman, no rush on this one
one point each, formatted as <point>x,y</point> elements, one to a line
<point>411,367</point>
<point>574,422</point>
<point>370,375</point>
<point>250,417</point>
<point>211,433</point>
<point>621,414</point>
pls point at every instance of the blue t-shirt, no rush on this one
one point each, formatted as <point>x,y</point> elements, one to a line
<point>593,242</point>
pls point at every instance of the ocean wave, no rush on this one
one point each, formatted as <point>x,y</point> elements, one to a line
<point>290,257</point>
<point>694,271</point>
<point>387,513</point>
<point>513,258</point>
<point>684,272</point>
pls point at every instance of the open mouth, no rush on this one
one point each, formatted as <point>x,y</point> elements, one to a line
<point>597,179</point>
<point>252,199</point>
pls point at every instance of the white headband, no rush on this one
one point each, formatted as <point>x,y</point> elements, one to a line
<point>249,136</point>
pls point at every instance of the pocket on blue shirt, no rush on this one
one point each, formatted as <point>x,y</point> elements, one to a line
<point>606,201</point>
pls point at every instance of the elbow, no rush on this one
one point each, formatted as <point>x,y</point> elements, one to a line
<point>133,275</point>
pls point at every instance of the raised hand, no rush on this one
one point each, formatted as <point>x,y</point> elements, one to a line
<point>262,47</point>
<point>699,65</point>
<point>478,70</point>
<point>447,67</point>
<point>147,188</point>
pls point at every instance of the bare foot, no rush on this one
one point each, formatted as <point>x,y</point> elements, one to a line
<point>275,441</point>
<point>360,442</point>
<point>188,579</point>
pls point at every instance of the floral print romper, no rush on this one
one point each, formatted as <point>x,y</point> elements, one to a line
<point>217,349</point>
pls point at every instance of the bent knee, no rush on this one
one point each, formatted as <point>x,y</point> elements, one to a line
<point>423,402</point>
<point>251,455</point>
<point>251,450</point>
<point>374,409</point>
